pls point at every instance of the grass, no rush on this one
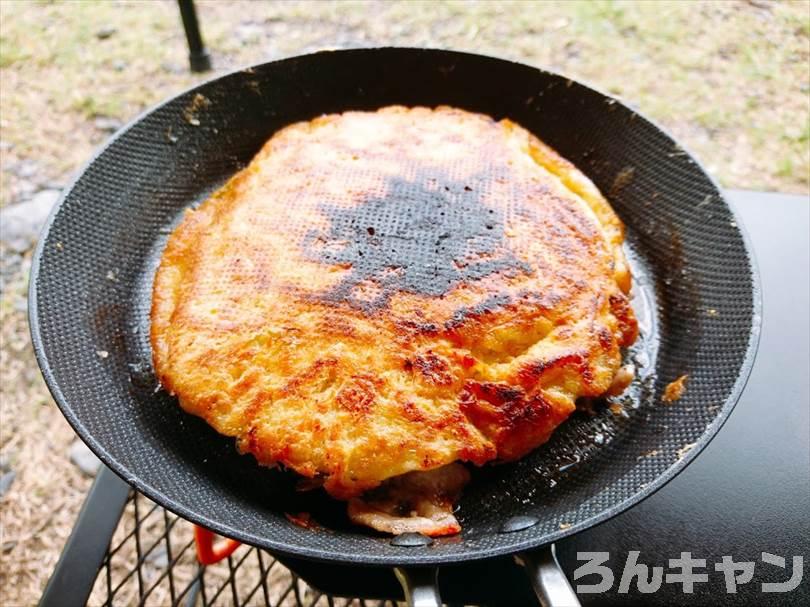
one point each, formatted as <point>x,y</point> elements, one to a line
<point>93,107</point>
<point>731,80</point>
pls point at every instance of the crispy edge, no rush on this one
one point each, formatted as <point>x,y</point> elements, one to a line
<point>179,258</point>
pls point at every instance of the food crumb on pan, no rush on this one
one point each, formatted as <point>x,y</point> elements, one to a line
<point>111,276</point>
<point>102,354</point>
<point>681,453</point>
<point>622,179</point>
<point>711,312</point>
<point>564,526</point>
<point>198,103</point>
<point>675,389</point>
<point>652,453</point>
<point>302,519</point>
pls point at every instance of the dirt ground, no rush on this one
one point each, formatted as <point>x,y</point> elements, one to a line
<point>731,80</point>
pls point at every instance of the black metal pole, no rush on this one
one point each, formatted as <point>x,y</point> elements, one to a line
<point>72,579</point>
<point>198,57</point>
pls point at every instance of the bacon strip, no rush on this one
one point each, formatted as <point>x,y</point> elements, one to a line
<point>417,502</point>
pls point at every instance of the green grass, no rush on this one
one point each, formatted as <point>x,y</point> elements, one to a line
<point>785,167</point>
<point>730,79</point>
<point>10,53</point>
<point>93,107</point>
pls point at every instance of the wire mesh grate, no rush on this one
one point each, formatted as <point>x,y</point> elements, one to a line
<point>151,561</point>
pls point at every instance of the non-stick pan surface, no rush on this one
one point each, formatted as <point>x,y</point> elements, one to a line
<point>696,294</point>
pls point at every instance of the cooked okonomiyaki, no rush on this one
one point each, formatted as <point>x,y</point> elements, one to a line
<point>379,296</point>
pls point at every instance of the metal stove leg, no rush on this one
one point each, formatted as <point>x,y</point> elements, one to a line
<point>547,577</point>
<point>198,57</point>
<point>72,579</point>
<point>420,585</point>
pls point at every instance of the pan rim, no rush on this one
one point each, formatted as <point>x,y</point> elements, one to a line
<point>523,540</point>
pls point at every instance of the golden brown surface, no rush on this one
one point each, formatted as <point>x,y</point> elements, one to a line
<point>386,292</point>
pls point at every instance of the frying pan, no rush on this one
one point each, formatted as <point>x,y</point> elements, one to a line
<point>696,294</point>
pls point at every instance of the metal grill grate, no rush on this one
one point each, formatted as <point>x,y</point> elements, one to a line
<point>151,560</point>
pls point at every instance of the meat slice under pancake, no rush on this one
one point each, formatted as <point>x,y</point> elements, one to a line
<point>380,293</point>
<point>416,502</point>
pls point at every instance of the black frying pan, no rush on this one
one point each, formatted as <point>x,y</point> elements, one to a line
<point>696,293</point>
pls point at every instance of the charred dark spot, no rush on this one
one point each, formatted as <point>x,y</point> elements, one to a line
<point>433,368</point>
<point>438,232</point>
<point>526,412</point>
<point>496,394</point>
<point>501,411</point>
<point>417,327</point>
<point>489,305</point>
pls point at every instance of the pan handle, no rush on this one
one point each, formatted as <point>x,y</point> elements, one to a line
<point>547,577</point>
<point>209,553</point>
<point>421,585</point>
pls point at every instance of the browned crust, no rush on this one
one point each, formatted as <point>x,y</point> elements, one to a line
<point>244,335</point>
